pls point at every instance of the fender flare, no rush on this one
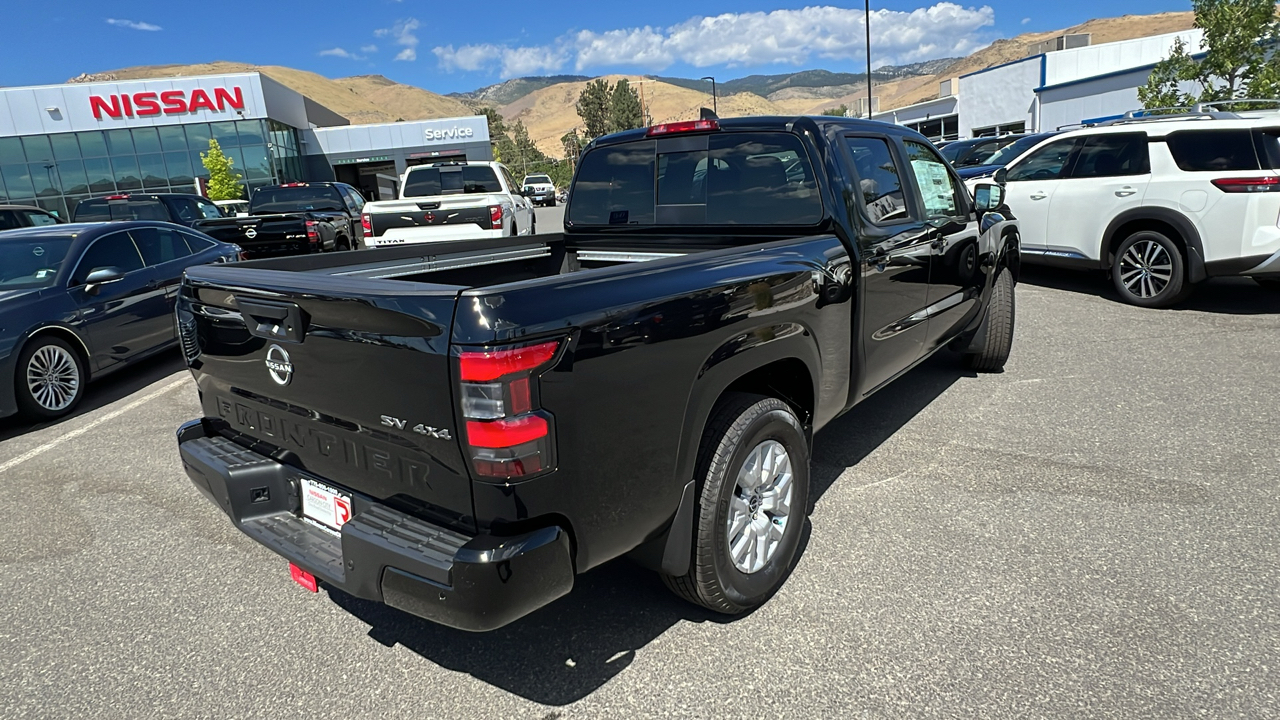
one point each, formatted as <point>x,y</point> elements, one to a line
<point>1181,223</point>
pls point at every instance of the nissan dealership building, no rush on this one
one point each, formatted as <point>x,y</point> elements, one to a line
<point>60,144</point>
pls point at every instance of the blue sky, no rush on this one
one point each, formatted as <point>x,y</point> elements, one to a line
<point>452,46</point>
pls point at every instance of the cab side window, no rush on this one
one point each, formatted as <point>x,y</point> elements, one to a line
<point>159,245</point>
<point>879,179</point>
<point>208,209</point>
<point>937,188</point>
<point>1046,163</point>
<point>115,250</point>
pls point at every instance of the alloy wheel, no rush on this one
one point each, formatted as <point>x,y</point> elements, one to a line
<point>1146,269</point>
<point>53,378</point>
<point>760,507</point>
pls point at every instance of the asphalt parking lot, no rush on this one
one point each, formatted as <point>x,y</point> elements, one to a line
<point>1090,534</point>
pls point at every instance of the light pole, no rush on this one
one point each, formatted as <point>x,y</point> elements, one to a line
<point>714,108</point>
<point>866,20</point>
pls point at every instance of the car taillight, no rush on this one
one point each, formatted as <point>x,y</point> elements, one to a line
<point>495,217</point>
<point>685,126</point>
<point>1270,183</point>
<point>367,224</point>
<point>313,231</point>
<point>507,431</point>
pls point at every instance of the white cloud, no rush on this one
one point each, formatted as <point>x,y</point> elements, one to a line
<point>368,48</point>
<point>133,25</point>
<point>339,52</point>
<point>402,33</point>
<point>1026,20</point>
<point>789,37</point>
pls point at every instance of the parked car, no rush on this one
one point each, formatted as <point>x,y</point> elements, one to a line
<point>18,216</point>
<point>450,201</point>
<point>177,208</point>
<point>80,301</point>
<point>647,382</point>
<point>1161,203</point>
<point>298,218</point>
<point>539,189</point>
<point>972,152</point>
<point>974,174</point>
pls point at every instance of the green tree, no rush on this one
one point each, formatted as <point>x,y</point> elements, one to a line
<point>594,106</point>
<point>522,152</point>
<point>625,112</point>
<point>572,144</point>
<point>224,184</point>
<point>839,111</point>
<point>1238,35</point>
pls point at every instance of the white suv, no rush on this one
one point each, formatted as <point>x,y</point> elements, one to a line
<point>1161,202</point>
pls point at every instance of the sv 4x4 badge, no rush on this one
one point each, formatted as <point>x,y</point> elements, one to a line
<point>397,423</point>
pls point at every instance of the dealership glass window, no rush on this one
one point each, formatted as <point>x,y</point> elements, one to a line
<point>92,144</point>
<point>153,173</point>
<point>198,136</point>
<point>257,166</point>
<point>37,147</point>
<point>197,165</point>
<point>55,205</point>
<point>146,140</point>
<point>11,151</point>
<point>237,160</point>
<point>101,179</point>
<point>119,142</point>
<point>65,146</point>
<point>179,165</point>
<point>17,180</point>
<point>72,177</point>
<point>250,132</point>
<point>225,134</point>
<point>42,179</point>
<point>172,138</point>
<point>125,170</point>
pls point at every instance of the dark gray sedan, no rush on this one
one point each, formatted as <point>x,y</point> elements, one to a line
<point>78,301</point>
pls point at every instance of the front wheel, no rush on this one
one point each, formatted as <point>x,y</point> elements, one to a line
<point>753,467</point>
<point>1148,270</point>
<point>50,378</point>
<point>999,338</point>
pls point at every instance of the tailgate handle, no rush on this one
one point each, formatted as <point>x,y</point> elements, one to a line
<point>428,206</point>
<point>273,320</point>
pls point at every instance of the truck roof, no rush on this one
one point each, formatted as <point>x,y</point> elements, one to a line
<point>776,123</point>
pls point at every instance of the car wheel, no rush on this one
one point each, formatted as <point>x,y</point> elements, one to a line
<point>342,244</point>
<point>753,467</point>
<point>1148,270</point>
<point>1272,284</point>
<point>49,378</point>
<point>999,340</point>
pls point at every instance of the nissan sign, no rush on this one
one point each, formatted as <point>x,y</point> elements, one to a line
<point>169,102</point>
<point>453,133</point>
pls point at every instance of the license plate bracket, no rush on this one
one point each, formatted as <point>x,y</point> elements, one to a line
<point>323,504</point>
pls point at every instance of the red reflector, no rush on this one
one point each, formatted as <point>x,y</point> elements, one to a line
<point>303,578</point>
<point>506,433</point>
<point>683,127</point>
<point>521,400</point>
<point>485,366</point>
<point>1269,183</point>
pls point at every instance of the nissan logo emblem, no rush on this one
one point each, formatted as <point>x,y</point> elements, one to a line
<point>251,233</point>
<point>278,365</point>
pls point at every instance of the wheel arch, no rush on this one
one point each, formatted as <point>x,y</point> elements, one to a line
<point>1178,226</point>
<point>60,331</point>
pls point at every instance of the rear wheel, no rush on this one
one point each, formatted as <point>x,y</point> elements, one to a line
<point>754,470</point>
<point>999,339</point>
<point>1148,270</point>
<point>49,379</point>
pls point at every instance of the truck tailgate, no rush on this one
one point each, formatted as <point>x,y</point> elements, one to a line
<point>415,220</point>
<point>344,378</point>
<point>261,236</point>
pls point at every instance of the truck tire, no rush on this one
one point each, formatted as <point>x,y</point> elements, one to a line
<point>753,467</point>
<point>999,340</point>
<point>1148,270</point>
<point>49,378</point>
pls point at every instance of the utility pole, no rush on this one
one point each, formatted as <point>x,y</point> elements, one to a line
<point>866,20</point>
<point>714,107</point>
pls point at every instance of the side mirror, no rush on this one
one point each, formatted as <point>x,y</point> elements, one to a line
<point>100,277</point>
<point>987,197</point>
<point>1001,176</point>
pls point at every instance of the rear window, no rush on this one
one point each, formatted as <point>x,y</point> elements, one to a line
<point>719,179</point>
<point>467,179</point>
<point>537,180</point>
<point>295,199</point>
<point>1213,150</point>
<point>101,209</point>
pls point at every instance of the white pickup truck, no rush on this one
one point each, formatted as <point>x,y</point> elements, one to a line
<point>449,201</point>
<point>539,189</point>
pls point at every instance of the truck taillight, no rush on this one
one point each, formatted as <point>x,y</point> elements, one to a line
<point>507,431</point>
<point>367,224</point>
<point>495,217</point>
<point>313,231</point>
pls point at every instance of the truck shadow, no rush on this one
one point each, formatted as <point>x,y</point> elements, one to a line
<point>571,648</point>
<point>116,386</point>
<point>1224,295</point>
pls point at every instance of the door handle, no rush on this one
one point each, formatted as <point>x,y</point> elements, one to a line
<point>153,284</point>
<point>1039,196</point>
<point>1125,192</point>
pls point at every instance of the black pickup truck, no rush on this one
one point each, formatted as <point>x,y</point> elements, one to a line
<point>294,219</point>
<point>459,429</point>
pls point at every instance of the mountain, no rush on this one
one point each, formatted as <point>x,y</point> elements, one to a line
<point>928,67</point>
<point>362,100</point>
<point>508,92</point>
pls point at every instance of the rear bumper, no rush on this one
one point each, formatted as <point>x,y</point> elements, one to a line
<point>471,583</point>
<point>435,233</point>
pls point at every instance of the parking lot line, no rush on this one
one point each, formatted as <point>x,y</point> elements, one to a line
<point>86,428</point>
